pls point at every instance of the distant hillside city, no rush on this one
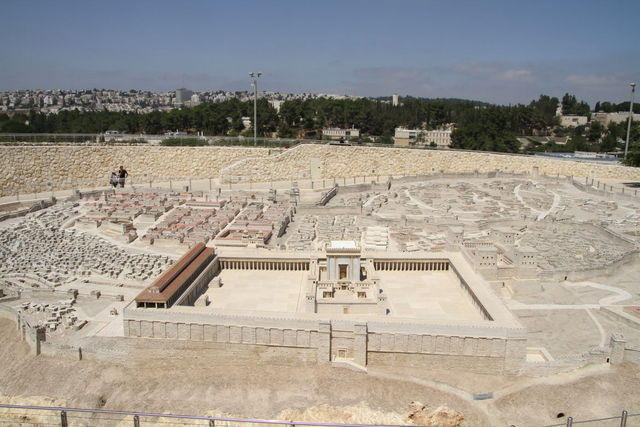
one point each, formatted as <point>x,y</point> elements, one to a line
<point>548,124</point>
<point>134,101</point>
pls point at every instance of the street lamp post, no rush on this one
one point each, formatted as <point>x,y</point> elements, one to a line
<point>255,77</point>
<point>626,145</point>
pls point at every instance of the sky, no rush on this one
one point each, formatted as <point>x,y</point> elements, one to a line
<point>504,52</point>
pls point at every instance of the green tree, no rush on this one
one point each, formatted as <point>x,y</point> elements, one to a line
<point>633,159</point>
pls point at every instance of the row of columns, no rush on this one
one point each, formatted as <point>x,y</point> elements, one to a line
<point>265,265</point>
<point>412,265</point>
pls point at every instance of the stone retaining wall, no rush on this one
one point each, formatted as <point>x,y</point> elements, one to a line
<point>472,353</point>
<point>339,162</point>
<point>28,169</point>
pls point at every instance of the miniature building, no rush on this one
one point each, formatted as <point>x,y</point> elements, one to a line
<point>341,284</point>
<point>502,235</point>
<point>343,307</point>
<point>166,289</point>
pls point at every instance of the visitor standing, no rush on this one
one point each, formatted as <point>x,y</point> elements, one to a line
<point>122,175</point>
<point>113,179</point>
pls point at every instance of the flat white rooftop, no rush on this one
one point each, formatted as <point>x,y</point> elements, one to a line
<point>343,244</point>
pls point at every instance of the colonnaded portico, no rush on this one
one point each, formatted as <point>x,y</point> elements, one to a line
<point>344,304</point>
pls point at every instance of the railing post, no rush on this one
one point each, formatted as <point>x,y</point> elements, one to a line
<point>212,423</point>
<point>136,421</point>
<point>63,419</point>
<point>569,421</point>
<point>623,419</point>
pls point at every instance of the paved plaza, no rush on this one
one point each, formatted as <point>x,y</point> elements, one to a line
<point>415,294</point>
<point>278,291</point>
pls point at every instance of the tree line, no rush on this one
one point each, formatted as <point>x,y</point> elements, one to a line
<point>296,118</point>
<point>479,126</point>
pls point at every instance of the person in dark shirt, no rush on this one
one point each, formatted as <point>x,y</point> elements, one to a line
<point>122,175</point>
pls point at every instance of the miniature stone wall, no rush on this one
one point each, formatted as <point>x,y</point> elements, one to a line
<point>585,274</point>
<point>26,169</point>
<point>30,168</point>
<point>34,336</point>
<point>472,348</point>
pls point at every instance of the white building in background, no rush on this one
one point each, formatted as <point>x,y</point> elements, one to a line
<point>337,133</point>
<point>573,121</point>
<point>619,117</point>
<point>195,99</point>
<point>395,100</point>
<point>440,137</point>
<point>276,104</point>
<point>246,122</point>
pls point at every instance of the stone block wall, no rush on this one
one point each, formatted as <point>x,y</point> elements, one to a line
<point>346,162</point>
<point>361,343</point>
<point>482,354</point>
<point>222,333</point>
<point>30,168</point>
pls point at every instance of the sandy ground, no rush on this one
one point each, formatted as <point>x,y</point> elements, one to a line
<point>196,379</point>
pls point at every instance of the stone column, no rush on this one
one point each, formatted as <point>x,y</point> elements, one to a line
<point>324,342</point>
<point>616,345</point>
<point>37,335</point>
<point>360,344</point>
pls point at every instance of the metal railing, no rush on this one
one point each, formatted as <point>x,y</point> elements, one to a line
<point>65,417</point>
<point>623,417</point>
